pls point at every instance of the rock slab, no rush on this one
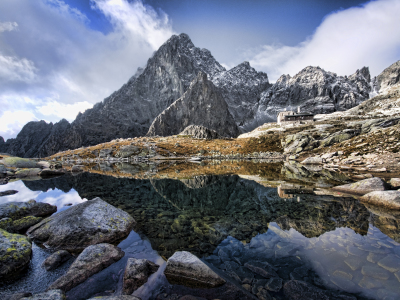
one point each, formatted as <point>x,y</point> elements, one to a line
<point>137,272</point>
<point>387,199</point>
<point>88,223</point>
<point>363,187</point>
<point>184,268</point>
<point>91,261</point>
<point>49,295</point>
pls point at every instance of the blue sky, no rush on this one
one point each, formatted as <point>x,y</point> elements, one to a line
<point>60,57</point>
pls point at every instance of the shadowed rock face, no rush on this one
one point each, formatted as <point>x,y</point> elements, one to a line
<point>202,104</point>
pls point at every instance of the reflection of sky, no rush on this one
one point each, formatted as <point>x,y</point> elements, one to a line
<point>54,197</point>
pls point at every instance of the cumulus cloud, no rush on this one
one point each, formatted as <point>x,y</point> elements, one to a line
<point>55,59</point>
<point>345,41</point>
<point>11,122</point>
<point>8,26</point>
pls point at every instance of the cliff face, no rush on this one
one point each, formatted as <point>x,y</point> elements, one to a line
<point>315,91</point>
<point>389,77</point>
<point>202,104</point>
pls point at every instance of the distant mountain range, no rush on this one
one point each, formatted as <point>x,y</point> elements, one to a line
<point>181,85</point>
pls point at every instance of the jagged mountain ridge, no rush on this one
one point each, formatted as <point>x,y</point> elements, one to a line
<point>316,91</point>
<point>251,99</point>
<point>202,104</point>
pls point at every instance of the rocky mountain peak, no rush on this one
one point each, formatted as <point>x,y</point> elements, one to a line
<point>389,77</point>
<point>312,75</point>
<point>202,104</point>
<point>283,80</point>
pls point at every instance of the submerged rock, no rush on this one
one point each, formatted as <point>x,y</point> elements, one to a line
<point>300,290</point>
<point>15,253</point>
<point>82,225</point>
<point>362,187</point>
<point>387,199</point>
<point>49,295</point>
<point>123,297</point>
<point>186,269</point>
<point>91,261</point>
<point>56,259</point>
<point>137,272</point>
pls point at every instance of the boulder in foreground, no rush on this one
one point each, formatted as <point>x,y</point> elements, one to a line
<point>15,253</point>
<point>88,223</point>
<point>18,210</point>
<point>184,268</point>
<point>363,187</point>
<point>137,272</point>
<point>91,261</point>
<point>387,199</point>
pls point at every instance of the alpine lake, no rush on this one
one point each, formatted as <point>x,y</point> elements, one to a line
<point>228,213</point>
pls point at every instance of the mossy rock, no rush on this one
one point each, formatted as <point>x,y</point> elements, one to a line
<point>15,253</point>
<point>23,224</point>
<point>18,162</point>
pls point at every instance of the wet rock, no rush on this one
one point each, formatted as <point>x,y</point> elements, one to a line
<point>363,187</point>
<point>390,263</point>
<point>186,269</point>
<point>387,199</point>
<point>49,295</point>
<point>137,272</point>
<point>261,268</point>
<point>56,259</point>
<point>17,210</point>
<point>6,224</point>
<point>51,172</point>
<point>8,193</point>
<point>77,168</point>
<point>91,261</point>
<point>81,225</point>
<point>15,253</point>
<point>301,290</point>
<point>313,161</point>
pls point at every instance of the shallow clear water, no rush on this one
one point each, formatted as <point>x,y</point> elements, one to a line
<point>332,242</point>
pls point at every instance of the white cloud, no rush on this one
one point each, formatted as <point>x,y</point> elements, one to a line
<point>8,26</point>
<point>61,110</point>
<point>14,69</point>
<point>11,122</point>
<point>345,41</point>
<point>61,64</point>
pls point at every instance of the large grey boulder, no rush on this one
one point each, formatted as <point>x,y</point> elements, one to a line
<point>186,269</point>
<point>137,272</point>
<point>49,295</point>
<point>363,187</point>
<point>91,261</point>
<point>202,104</point>
<point>17,210</point>
<point>387,199</point>
<point>56,259</point>
<point>22,173</point>
<point>15,253</point>
<point>82,225</point>
<point>200,132</point>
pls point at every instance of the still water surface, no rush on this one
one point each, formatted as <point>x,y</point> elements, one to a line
<point>228,220</point>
